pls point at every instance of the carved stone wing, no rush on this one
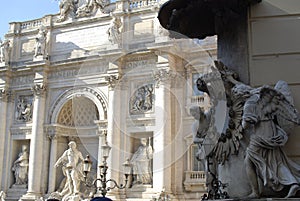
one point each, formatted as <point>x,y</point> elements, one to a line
<point>285,112</point>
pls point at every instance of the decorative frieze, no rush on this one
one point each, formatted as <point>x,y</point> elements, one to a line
<point>141,62</point>
<point>22,80</point>
<point>58,74</point>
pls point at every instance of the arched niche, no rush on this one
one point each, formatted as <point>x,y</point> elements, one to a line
<point>97,97</point>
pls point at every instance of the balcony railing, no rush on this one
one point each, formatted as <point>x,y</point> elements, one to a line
<point>195,181</point>
<point>31,24</point>
<point>197,100</point>
<point>135,4</point>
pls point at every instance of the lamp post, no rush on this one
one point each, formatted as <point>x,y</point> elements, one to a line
<point>104,188</point>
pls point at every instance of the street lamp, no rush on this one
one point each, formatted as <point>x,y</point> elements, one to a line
<point>103,172</point>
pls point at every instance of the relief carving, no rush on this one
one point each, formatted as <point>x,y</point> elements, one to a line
<point>24,109</point>
<point>142,100</point>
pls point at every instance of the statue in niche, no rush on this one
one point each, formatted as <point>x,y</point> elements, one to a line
<point>67,7</point>
<point>72,170</point>
<point>267,115</point>
<point>24,110</point>
<point>4,50</point>
<point>40,42</point>
<point>20,167</point>
<point>114,33</point>
<point>141,162</point>
<point>2,196</point>
<point>142,101</point>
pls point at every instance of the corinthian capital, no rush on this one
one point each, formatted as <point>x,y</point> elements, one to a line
<point>38,89</point>
<point>4,94</point>
<point>112,80</point>
<point>163,76</point>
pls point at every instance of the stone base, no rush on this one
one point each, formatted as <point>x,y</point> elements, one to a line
<point>2,64</point>
<point>39,58</point>
<point>261,199</point>
<point>141,192</point>
<point>30,197</point>
<point>15,192</point>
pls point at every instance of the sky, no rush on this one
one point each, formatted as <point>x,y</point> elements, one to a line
<point>23,10</point>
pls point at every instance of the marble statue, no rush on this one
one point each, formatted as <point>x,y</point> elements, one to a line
<point>200,128</point>
<point>2,196</point>
<point>21,165</point>
<point>258,121</point>
<point>142,100</point>
<point>91,7</point>
<point>114,33</point>
<point>265,158</point>
<point>72,169</point>
<point>67,7</point>
<point>142,163</point>
<point>40,42</point>
<point>4,51</point>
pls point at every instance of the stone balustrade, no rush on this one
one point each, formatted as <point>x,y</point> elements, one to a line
<point>195,181</point>
<point>197,100</point>
<point>31,24</point>
<point>136,4</point>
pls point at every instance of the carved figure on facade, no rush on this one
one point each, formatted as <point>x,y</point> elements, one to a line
<point>91,7</point>
<point>114,32</point>
<point>267,115</point>
<point>4,51</point>
<point>2,196</point>
<point>21,165</point>
<point>72,170</point>
<point>40,42</point>
<point>141,162</point>
<point>142,101</point>
<point>24,109</point>
<point>66,8</point>
<point>200,128</point>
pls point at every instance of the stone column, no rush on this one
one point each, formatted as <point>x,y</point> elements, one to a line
<point>113,127</point>
<point>4,93</point>
<point>162,158</point>
<point>36,144</point>
<point>101,135</point>
<point>53,157</point>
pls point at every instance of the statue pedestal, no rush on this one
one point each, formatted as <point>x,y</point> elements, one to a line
<point>141,192</point>
<point>39,58</point>
<point>16,191</point>
<point>113,46</point>
<point>261,199</point>
<point>30,197</point>
<point>2,64</point>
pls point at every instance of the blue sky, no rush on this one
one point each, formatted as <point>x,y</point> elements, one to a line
<point>22,10</point>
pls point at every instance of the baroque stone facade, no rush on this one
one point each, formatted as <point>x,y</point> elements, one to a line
<point>104,68</point>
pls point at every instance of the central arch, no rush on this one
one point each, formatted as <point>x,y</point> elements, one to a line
<point>97,97</point>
